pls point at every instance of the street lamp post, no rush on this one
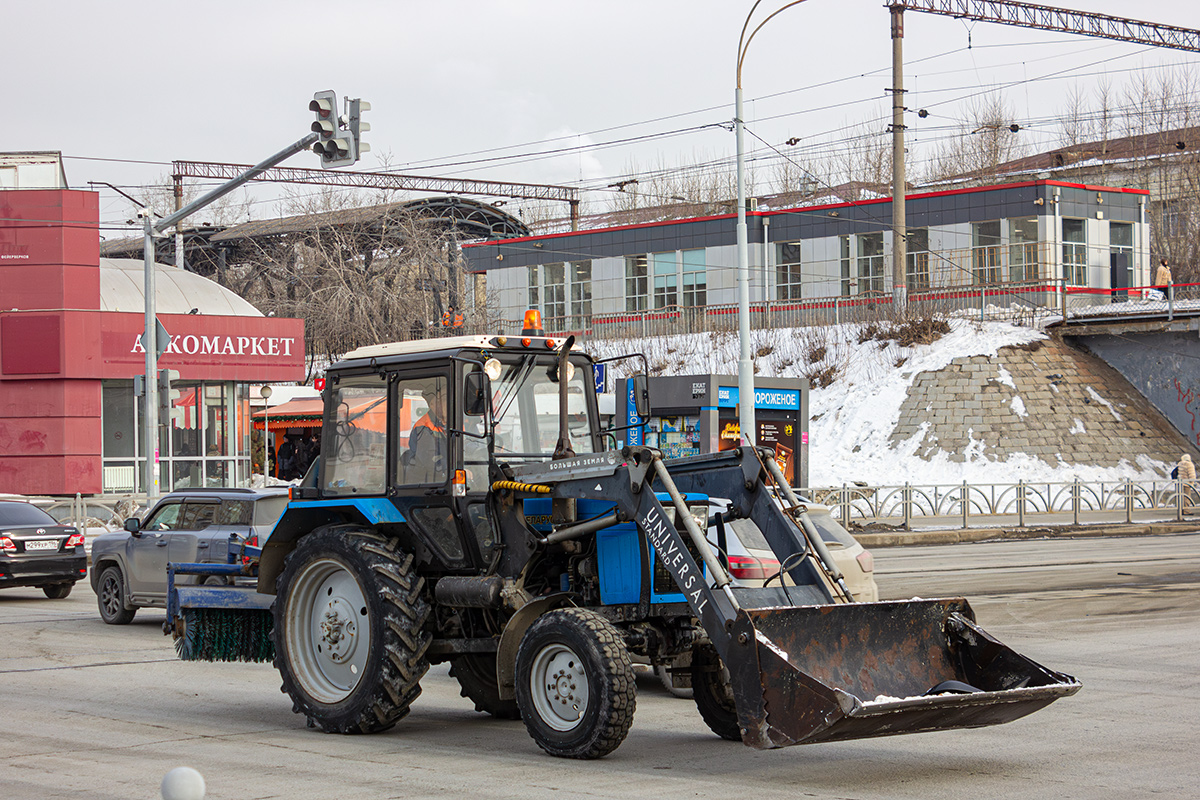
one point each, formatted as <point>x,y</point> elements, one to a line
<point>745,367</point>
<point>265,391</point>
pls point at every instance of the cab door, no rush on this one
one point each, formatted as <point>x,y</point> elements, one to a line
<point>426,459</point>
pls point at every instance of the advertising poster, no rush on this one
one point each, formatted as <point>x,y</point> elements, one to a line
<point>780,436</point>
<point>730,435</point>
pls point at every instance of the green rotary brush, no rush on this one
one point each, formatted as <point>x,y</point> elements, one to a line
<point>225,635</point>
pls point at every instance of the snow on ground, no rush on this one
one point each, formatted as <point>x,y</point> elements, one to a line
<point>852,419</point>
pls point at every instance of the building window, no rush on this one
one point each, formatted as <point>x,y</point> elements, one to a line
<point>534,285</point>
<point>1023,250</point>
<point>636,288</point>
<point>1120,238</point>
<point>985,252</point>
<point>870,263</point>
<point>917,269</point>
<point>581,294</point>
<point>847,276</point>
<point>787,271</point>
<point>666,281</point>
<point>1074,252</point>
<point>555,295</point>
<point>695,279</point>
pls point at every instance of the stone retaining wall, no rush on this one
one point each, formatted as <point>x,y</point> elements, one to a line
<point>1045,399</point>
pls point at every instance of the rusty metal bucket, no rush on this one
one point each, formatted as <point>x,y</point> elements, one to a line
<point>852,671</point>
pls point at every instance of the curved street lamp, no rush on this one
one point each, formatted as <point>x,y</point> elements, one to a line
<point>745,368</point>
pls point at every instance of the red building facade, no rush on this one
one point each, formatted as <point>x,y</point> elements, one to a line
<point>70,347</point>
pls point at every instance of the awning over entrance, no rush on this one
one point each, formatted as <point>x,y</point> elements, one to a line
<point>304,412</point>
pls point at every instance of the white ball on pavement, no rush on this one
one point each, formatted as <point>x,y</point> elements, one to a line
<point>183,783</point>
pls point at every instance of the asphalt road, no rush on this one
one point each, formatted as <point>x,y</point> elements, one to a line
<point>95,711</point>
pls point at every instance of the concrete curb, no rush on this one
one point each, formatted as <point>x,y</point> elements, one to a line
<point>902,538</point>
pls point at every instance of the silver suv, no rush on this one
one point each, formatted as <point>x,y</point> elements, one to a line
<point>129,567</point>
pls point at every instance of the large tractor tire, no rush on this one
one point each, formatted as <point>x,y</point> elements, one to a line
<point>349,634</point>
<point>713,694</point>
<point>575,684</point>
<point>476,674</point>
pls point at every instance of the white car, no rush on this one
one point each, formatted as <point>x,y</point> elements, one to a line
<point>752,563</point>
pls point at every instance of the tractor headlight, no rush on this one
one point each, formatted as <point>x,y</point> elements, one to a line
<point>700,514</point>
<point>492,368</point>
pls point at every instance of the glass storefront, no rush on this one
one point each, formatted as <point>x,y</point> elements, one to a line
<point>204,439</point>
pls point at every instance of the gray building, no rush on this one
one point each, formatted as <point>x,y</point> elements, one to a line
<point>1012,243</point>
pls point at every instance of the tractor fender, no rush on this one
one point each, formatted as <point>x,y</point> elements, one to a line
<point>510,639</point>
<point>302,517</point>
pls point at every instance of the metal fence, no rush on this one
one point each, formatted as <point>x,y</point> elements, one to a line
<point>1023,504</point>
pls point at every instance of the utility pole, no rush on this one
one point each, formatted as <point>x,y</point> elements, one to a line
<point>899,196</point>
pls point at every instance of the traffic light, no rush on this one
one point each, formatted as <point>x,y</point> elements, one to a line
<point>358,126</point>
<point>166,395</point>
<point>335,145</point>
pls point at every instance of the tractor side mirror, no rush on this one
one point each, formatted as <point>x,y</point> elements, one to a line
<point>475,394</point>
<point>641,396</point>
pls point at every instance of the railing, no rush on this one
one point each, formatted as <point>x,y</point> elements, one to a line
<point>1024,303</point>
<point>1045,502</point>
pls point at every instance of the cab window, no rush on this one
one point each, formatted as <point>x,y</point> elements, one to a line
<point>355,437</point>
<point>422,431</point>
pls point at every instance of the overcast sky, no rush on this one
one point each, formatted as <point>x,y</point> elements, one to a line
<point>124,88</point>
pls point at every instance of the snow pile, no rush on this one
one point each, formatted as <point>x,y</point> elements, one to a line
<point>853,418</point>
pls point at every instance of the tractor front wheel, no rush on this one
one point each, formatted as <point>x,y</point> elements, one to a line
<point>575,684</point>
<point>349,630</point>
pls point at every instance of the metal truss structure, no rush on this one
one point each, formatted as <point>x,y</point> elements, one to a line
<point>383,180</point>
<point>1062,20</point>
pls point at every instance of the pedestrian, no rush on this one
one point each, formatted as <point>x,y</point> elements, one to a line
<point>1186,472</point>
<point>286,459</point>
<point>1187,469</point>
<point>1162,277</point>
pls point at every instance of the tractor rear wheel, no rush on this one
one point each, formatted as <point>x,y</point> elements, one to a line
<point>476,674</point>
<point>713,694</point>
<point>349,630</point>
<point>575,684</point>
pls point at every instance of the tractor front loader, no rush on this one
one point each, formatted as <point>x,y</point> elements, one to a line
<point>468,508</point>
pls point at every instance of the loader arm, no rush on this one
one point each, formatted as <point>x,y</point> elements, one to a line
<point>804,667</point>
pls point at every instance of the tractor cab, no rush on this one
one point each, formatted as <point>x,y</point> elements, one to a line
<point>414,431</point>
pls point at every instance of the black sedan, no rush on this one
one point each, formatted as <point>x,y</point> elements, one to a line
<point>36,551</point>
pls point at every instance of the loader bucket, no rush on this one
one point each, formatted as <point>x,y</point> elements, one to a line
<point>852,671</point>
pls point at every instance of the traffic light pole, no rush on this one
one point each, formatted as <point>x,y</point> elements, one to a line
<point>150,343</point>
<point>150,338</point>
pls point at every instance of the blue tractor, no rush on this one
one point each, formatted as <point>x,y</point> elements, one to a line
<point>468,508</point>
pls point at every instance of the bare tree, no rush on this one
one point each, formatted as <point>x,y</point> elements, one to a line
<point>705,186</point>
<point>983,142</point>
<point>358,275</point>
<point>228,210</point>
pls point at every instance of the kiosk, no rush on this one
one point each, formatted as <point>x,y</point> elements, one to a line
<point>694,414</point>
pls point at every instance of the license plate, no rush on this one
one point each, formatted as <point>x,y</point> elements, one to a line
<point>41,544</point>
